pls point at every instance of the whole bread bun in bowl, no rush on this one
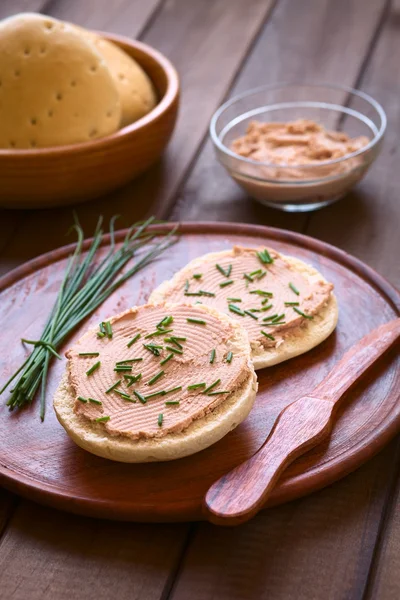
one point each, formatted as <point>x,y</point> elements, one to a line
<point>135,89</point>
<point>286,305</point>
<point>207,386</point>
<point>56,88</point>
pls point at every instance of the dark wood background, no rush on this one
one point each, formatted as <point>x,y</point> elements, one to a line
<point>342,543</point>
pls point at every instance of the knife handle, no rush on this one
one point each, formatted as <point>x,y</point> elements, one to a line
<point>239,495</point>
<point>357,360</point>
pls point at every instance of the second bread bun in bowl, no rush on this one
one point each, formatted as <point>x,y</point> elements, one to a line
<point>66,174</point>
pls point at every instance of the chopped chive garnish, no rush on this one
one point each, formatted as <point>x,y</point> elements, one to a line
<point>278,318</point>
<point>262,293</point>
<point>246,276</point>
<point>114,385</point>
<point>268,335</point>
<point>212,355</point>
<point>154,394</point>
<point>255,310</point>
<point>100,334</point>
<point>222,270</point>
<point>172,340</point>
<point>93,368</point>
<point>250,314</point>
<point>102,419</point>
<point>205,293</point>
<point>196,386</point>
<point>108,328</point>
<point>212,386</point>
<point>155,378</point>
<point>158,332</point>
<point>265,301</point>
<point>196,321</point>
<point>172,403</point>
<point>193,294</point>
<point>166,359</point>
<point>175,389</point>
<point>265,308</point>
<point>270,318</point>
<point>94,401</point>
<point>229,357</point>
<point>275,323</point>
<point>258,272</point>
<point>300,312</point>
<point>89,354</point>
<point>234,299</point>
<point>263,274</point>
<point>174,350</point>
<point>186,288</point>
<point>265,257</point>
<point>180,339</point>
<point>292,303</point>
<point>165,321</point>
<point>131,379</point>
<point>225,283</point>
<point>127,361</point>
<point>160,419</point>
<point>294,289</point>
<point>102,328</point>
<point>236,309</point>
<point>123,368</point>
<point>140,397</point>
<point>133,340</point>
<point>153,349</point>
<point>216,393</point>
<point>228,270</point>
<point>197,275</point>
<point>82,399</point>
<point>123,395</point>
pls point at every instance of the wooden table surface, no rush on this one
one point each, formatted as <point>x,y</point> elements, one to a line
<point>341,543</point>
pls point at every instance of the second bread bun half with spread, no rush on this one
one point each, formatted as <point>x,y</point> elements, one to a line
<point>162,382</point>
<point>286,306</point>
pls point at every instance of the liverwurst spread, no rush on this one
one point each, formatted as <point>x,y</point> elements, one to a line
<point>260,288</point>
<point>155,370</point>
<point>302,142</point>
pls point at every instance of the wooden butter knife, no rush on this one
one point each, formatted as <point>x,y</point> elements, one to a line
<point>237,496</point>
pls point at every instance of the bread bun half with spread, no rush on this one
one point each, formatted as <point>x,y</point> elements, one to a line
<point>286,305</point>
<point>55,86</point>
<point>156,383</point>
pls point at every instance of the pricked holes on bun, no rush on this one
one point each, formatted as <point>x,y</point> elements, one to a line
<point>93,133</point>
<point>49,25</point>
<point>33,121</point>
<point>93,68</point>
<point>59,96</point>
<point>27,51</point>
<point>73,83</point>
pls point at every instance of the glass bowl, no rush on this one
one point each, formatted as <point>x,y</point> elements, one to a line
<point>299,187</point>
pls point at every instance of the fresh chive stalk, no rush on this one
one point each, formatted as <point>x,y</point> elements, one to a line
<point>93,354</point>
<point>172,403</point>
<point>102,419</point>
<point>212,355</point>
<point>212,386</point>
<point>250,314</point>
<point>229,357</point>
<point>236,309</point>
<point>166,359</point>
<point>268,335</point>
<point>88,282</point>
<point>303,314</point>
<point>196,321</point>
<point>196,386</point>
<point>294,289</point>
<point>225,283</point>
<point>114,385</point>
<point>265,257</point>
<point>160,419</point>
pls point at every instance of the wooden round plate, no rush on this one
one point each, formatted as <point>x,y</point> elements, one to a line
<point>38,460</point>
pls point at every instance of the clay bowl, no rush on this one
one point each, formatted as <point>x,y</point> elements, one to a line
<point>63,175</point>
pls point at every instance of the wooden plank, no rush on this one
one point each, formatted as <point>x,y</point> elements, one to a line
<point>12,7</point>
<point>314,40</point>
<point>191,35</point>
<point>370,230</point>
<point>318,547</point>
<point>119,16</point>
<point>46,554</point>
<point>366,223</point>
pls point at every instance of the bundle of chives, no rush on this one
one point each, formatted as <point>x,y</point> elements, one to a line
<point>82,290</point>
